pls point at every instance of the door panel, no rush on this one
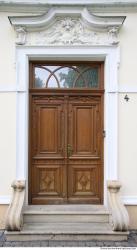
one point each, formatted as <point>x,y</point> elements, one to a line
<point>83,180</point>
<point>48,169</point>
<point>48,129</point>
<point>85,138</point>
<point>83,130</point>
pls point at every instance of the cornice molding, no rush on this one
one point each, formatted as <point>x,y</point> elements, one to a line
<point>42,6</point>
<point>67,26</point>
<point>34,23</point>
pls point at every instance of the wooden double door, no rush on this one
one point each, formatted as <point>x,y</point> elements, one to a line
<point>66,147</point>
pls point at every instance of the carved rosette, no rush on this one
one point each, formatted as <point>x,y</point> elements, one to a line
<point>14,219</point>
<point>120,218</point>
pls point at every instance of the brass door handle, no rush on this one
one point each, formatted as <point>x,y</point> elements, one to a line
<point>69,150</point>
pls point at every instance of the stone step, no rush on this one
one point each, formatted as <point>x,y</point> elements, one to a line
<point>66,231</point>
<point>47,218</point>
<point>65,213</point>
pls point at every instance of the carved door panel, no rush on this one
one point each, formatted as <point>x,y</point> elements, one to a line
<point>48,169</point>
<point>85,153</point>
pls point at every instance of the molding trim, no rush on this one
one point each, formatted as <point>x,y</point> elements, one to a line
<point>129,200</point>
<point>40,6</point>
<point>5,199</point>
<point>120,90</point>
<point>34,23</point>
<point>127,89</point>
<point>67,26</point>
<point>7,88</point>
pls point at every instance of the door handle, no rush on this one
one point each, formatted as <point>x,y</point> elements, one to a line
<point>69,150</point>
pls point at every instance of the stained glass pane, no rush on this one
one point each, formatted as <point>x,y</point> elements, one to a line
<point>67,76</point>
<point>79,76</point>
<point>91,77</point>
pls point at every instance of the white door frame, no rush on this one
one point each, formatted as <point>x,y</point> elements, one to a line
<point>110,56</point>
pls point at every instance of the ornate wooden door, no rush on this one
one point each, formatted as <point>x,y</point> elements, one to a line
<point>66,146</point>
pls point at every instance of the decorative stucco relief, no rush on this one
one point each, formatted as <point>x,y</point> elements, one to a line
<point>68,31</point>
<point>20,35</point>
<point>67,26</point>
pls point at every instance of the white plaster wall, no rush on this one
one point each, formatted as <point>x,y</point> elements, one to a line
<point>7,141</point>
<point>128,144</point>
<point>127,110</point>
<point>7,51</point>
<point>128,45</point>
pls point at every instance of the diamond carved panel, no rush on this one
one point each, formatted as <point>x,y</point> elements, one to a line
<point>85,181</point>
<point>49,180</point>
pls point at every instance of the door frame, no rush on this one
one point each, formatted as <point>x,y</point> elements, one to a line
<point>111,58</point>
<point>70,93</point>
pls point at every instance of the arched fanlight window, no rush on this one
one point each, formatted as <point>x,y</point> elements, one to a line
<point>80,76</point>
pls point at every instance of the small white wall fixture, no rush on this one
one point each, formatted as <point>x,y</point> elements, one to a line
<point>83,37</point>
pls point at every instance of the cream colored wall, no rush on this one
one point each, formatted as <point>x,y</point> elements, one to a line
<point>128,144</point>
<point>132,211</point>
<point>7,51</point>
<point>7,141</point>
<point>7,105</point>
<point>128,45</point>
<point>128,110</point>
<point>3,210</point>
<point>127,165</point>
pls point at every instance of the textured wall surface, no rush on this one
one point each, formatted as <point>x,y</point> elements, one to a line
<point>3,209</point>
<point>128,45</point>
<point>132,211</point>
<point>128,144</point>
<point>7,51</point>
<point>7,141</point>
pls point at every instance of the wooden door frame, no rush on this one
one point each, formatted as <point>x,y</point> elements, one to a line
<point>108,54</point>
<point>70,92</point>
<point>66,92</point>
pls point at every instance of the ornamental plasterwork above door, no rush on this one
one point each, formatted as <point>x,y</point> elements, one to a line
<point>67,26</point>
